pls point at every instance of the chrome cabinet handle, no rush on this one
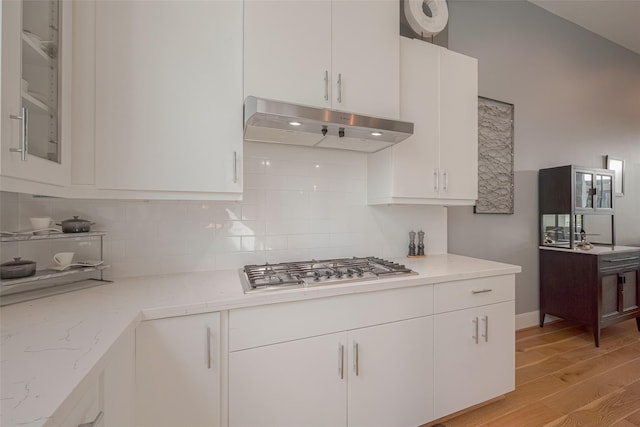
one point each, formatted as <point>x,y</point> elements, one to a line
<point>446,181</point>
<point>340,88</point>
<point>326,85</point>
<point>486,328</point>
<point>341,360</point>
<point>629,258</point>
<point>436,180</point>
<point>235,166</point>
<point>481,291</point>
<point>208,347</point>
<point>24,134</point>
<point>95,422</point>
<point>356,359</point>
<point>475,337</point>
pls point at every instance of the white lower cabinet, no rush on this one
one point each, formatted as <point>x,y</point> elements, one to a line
<point>108,400</point>
<point>375,376</point>
<point>119,381</point>
<point>474,348</point>
<point>391,374</point>
<point>178,364</point>
<point>296,383</point>
<point>88,409</point>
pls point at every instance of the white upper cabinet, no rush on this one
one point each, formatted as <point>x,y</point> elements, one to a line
<point>342,54</point>
<point>365,50</point>
<point>168,99</point>
<point>35,86</point>
<point>458,126</point>
<point>438,164</point>
<point>287,51</point>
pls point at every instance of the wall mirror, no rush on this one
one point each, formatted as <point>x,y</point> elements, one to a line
<point>617,165</point>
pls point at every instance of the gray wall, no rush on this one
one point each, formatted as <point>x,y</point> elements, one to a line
<point>577,98</point>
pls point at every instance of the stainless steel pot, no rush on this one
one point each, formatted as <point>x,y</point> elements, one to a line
<point>17,268</point>
<point>76,225</point>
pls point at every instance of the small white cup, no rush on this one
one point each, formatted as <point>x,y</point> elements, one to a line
<point>63,258</point>
<point>40,223</point>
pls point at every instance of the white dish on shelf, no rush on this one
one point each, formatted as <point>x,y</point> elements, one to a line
<point>27,232</point>
<point>87,263</point>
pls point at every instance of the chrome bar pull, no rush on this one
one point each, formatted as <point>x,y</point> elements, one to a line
<point>24,134</point>
<point>341,360</point>
<point>486,328</point>
<point>629,258</point>
<point>481,291</point>
<point>436,180</point>
<point>446,181</point>
<point>208,347</point>
<point>475,337</point>
<point>326,85</point>
<point>356,359</point>
<point>340,88</point>
<point>95,422</point>
<point>235,166</point>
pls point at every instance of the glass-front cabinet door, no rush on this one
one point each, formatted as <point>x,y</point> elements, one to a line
<point>35,90</point>
<point>593,190</point>
<point>583,190</point>
<point>39,82</point>
<point>604,191</point>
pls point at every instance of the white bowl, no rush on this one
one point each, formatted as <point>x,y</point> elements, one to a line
<point>40,225</point>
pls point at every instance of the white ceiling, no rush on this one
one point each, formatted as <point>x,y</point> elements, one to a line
<point>615,20</point>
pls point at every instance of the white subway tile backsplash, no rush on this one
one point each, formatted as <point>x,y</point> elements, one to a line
<point>292,226</point>
<point>253,212</point>
<point>242,228</point>
<point>252,243</point>
<point>228,244</point>
<point>285,255</point>
<point>276,243</point>
<point>254,165</point>
<point>239,259</point>
<point>298,203</point>
<point>308,241</point>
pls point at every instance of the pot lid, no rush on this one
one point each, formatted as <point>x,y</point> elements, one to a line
<point>17,261</point>
<point>75,219</point>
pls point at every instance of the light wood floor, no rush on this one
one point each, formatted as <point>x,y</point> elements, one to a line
<point>562,379</point>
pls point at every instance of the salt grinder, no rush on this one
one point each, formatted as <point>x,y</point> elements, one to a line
<point>412,243</point>
<point>420,243</point>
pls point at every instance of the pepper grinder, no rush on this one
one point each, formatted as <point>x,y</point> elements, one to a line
<point>412,243</point>
<point>420,243</point>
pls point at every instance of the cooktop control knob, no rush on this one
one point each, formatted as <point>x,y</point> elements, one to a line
<point>349,272</point>
<point>316,276</point>
<point>360,272</point>
<point>328,274</point>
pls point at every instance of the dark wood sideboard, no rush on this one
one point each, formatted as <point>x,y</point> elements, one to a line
<point>595,289</point>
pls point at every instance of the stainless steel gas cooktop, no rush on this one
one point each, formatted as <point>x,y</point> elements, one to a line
<point>286,275</point>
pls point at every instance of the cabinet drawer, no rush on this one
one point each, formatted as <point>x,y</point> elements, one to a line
<point>625,261</point>
<point>88,408</point>
<point>270,324</point>
<point>473,293</point>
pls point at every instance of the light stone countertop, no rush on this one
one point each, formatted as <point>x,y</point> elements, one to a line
<point>51,345</point>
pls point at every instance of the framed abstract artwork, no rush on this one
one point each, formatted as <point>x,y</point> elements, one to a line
<point>495,157</point>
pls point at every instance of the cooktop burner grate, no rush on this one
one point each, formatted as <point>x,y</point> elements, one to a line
<point>318,272</point>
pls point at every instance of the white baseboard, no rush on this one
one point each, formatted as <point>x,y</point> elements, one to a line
<point>532,318</point>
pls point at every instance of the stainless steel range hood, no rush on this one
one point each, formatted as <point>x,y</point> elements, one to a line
<point>266,120</point>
